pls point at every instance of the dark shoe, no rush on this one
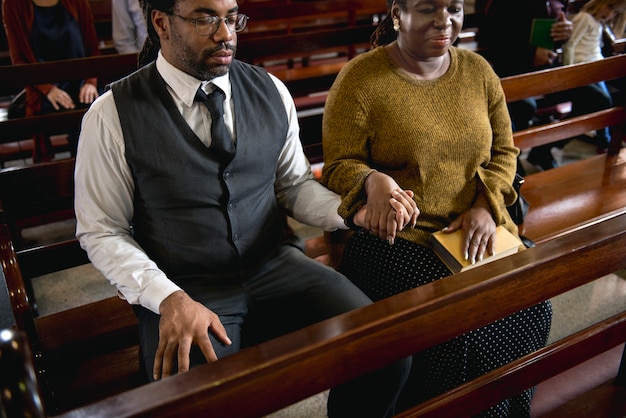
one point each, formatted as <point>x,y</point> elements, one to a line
<point>543,160</point>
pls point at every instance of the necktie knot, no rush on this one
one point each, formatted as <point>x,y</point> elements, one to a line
<point>221,141</point>
<point>213,101</point>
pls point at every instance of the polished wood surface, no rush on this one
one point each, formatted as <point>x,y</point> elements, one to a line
<point>472,397</point>
<point>551,80</point>
<point>82,354</point>
<point>282,371</point>
<point>36,195</point>
<point>572,196</point>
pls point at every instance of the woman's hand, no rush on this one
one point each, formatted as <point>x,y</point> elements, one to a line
<point>480,230</point>
<point>88,93</point>
<point>60,99</point>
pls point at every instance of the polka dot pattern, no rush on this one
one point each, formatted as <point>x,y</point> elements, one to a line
<point>382,270</point>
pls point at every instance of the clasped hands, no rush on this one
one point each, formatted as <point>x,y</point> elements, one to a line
<point>389,209</point>
<point>60,99</point>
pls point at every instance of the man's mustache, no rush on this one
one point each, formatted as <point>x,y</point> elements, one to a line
<point>222,47</point>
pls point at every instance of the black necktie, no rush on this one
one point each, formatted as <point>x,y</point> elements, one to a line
<point>221,141</point>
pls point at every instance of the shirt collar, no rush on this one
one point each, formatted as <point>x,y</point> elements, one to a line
<point>184,85</point>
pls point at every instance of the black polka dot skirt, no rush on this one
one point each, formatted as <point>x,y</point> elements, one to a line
<point>382,270</point>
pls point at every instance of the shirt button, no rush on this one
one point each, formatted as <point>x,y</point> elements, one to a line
<point>230,207</point>
<point>227,175</point>
<point>236,237</point>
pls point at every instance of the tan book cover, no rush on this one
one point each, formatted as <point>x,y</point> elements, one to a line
<point>448,246</point>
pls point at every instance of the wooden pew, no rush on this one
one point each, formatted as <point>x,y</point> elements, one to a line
<point>302,82</point>
<point>16,134</point>
<point>82,354</point>
<point>19,391</point>
<point>85,353</point>
<point>282,371</point>
<point>587,191</point>
<point>36,195</point>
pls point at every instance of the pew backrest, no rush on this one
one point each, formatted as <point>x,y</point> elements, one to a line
<point>37,194</point>
<point>553,80</point>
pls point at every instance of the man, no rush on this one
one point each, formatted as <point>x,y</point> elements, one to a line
<point>129,26</point>
<point>504,35</point>
<point>191,229</point>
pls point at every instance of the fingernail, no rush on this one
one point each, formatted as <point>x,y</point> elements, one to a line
<point>473,261</point>
<point>466,255</point>
<point>155,376</point>
<point>480,258</point>
<point>390,240</point>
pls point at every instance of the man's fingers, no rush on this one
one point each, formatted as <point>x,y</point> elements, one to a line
<point>171,350</point>
<point>158,361</point>
<point>184,350</point>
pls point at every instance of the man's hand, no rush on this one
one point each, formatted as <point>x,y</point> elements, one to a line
<point>185,322</point>
<point>544,57</point>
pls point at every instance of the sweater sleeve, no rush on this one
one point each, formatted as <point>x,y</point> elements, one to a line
<point>498,174</point>
<point>580,24</point>
<point>345,133</point>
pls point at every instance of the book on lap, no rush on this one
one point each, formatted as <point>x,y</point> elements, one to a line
<point>540,33</point>
<point>448,246</point>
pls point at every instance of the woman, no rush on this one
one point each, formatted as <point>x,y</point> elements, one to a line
<point>418,114</point>
<point>585,45</point>
<point>49,30</point>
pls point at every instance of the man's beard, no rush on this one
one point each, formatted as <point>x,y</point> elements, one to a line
<point>197,67</point>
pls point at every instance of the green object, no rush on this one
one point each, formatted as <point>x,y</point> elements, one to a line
<point>540,33</point>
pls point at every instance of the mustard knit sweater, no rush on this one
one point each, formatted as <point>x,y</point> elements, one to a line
<point>440,138</point>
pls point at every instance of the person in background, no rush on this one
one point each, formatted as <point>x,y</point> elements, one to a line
<point>129,26</point>
<point>185,173</point>
<point>50,30</point>
<point>585,45</point>
<point>504,38</point>
<point>397,118</point>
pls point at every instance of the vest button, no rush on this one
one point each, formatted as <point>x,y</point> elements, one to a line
<point>227,175</point>
<point>236,237</point>
<point>230,207</point>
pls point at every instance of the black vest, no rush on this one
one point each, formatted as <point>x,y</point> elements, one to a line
<point>194,215</point>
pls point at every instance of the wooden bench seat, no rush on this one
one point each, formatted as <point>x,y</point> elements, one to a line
<point>569,197</point>
<point>572,196</point>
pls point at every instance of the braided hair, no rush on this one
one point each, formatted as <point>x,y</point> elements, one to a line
<point>151,46</point>
<point>384,33</point>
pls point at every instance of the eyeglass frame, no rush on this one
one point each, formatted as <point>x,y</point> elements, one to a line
<point>217,22</point>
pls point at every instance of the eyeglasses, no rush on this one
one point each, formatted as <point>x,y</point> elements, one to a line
<point>208,25</point>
